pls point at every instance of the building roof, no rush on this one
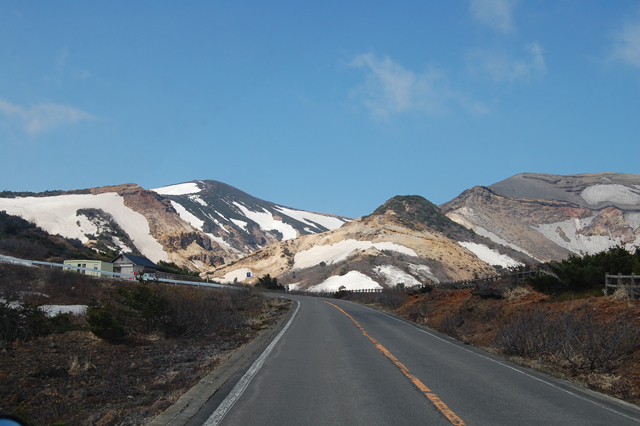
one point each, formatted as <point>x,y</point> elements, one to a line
<point>137,260</point>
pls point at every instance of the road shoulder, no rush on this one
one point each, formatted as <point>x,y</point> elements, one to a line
<point>180,413</point>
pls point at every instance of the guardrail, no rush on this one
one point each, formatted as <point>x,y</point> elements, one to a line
<point>615,281</point>
<point>519,277</point>
<point>98,273</point>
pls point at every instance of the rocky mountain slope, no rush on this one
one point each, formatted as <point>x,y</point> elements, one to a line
<point>407,240</point>
<point>549,217</point>
<point>197,225</point>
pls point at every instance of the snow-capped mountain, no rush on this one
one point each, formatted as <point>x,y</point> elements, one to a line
<point>407,240</point>
<point>549,217</point>
<point>197,225</point>
<point>238,221</point>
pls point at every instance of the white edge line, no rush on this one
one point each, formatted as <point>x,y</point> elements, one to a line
<point>239,388</point>
<point>457,345</point>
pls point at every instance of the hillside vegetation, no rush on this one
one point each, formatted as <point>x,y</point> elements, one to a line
<point>138,348</point>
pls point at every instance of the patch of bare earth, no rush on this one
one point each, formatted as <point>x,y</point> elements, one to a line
<point>79,379</point>
<point>476,320</point>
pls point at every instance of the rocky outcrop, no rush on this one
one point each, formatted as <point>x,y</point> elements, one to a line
<point>550,217</point>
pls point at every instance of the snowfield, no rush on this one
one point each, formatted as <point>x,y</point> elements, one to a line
<point>57,215</point>
<point>613,193</point>
<point>266,221</point>
<point>53,310</point>
<point>633,219</point>
<point>496,239</point>
<point>241,224</point>
<point>578,243</point>
<point>238,275</point>
<point>187,216</point>
<point>489,256</point>
<point>393,276</point>
<point>197,199</point>
<point>353,280</point>
<point>179,189</point>
<point>424,271</point>
<point>340,251</point>
<point>312,219</point>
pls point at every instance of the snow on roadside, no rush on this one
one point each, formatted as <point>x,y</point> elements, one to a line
<point>393,275</point>
<point>489,256</point>
<point>57,215</point>
<point>266,221</point>
<point>353,280</point>
<point>328,222</point>
<point>340,251</point>
<point>53,310</point>
<point>178,189</point>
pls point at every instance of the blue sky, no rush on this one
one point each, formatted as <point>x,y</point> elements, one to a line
<point>326,106</point>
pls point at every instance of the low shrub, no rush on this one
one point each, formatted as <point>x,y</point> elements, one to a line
<point>104,323</point>
<point>581,341</point>
<point>25,321</point>
<point>269,283</point>
<point>586,272</point>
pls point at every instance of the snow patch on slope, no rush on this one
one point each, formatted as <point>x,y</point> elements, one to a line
<point>187,216</point>
<point>57,215</point>
<point>489,256</point>
<point>197,199</point>
<point>352,280</point>
<point>393,275</point>
<point>179,189</point>
<point>266,221</point>
<point>238,275</point>
<point>328,222</point>
<point>424,271</point>
<point>340,251</point>
<point>53,310</point>
<point>613,193</point>
<point>577,243</point>
<point>241,224</point>
<point>633,219</point>
<point>496,239</point>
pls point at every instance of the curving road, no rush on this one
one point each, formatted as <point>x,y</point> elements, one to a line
<point>339,363</point>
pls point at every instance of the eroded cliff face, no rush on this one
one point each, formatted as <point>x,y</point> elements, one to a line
<point>186,246</point>
<point>611,222</point>
<point>580,214</point>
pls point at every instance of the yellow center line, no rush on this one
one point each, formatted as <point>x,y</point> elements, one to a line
<point>455,420</point>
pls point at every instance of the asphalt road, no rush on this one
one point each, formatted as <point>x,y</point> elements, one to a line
<point>339,363</point>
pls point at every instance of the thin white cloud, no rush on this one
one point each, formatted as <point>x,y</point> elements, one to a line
<point>42,117</point>
<point>389,88</point>
<point>61,68</point>
<point>626,45</point>
<point>496,14</point>
<point>500,67</point>
<point>61,58</point>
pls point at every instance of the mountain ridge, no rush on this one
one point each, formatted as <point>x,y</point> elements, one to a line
<point>224,233</point>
